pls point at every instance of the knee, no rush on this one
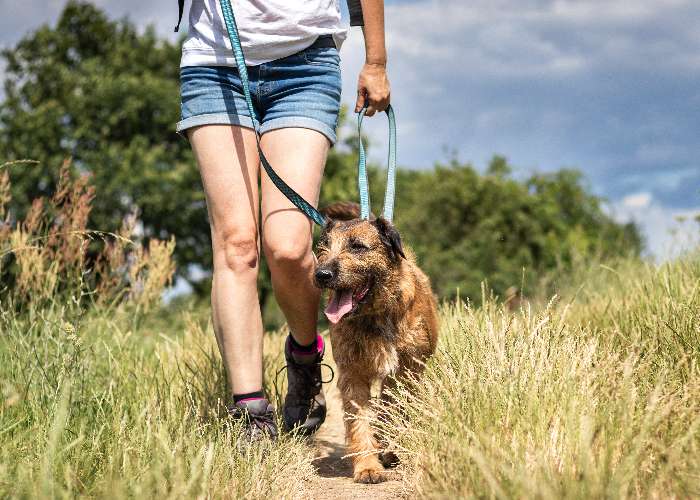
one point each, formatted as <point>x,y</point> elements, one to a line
<point>287,258</point>
<point>239,252</point>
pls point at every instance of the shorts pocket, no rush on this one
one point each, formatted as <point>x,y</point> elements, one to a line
<point>322,57</point>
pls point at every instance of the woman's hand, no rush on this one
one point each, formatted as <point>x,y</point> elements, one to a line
<point>373,88</point>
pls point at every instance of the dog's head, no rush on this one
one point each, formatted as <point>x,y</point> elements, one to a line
<point>356,258</point>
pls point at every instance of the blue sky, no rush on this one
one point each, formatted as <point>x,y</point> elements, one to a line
<point>609,86</point>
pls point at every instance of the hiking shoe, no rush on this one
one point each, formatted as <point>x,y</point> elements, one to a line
<point>304,408</point>
<point>258,417</point>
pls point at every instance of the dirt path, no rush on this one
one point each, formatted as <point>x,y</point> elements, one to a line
<point>334,476</point>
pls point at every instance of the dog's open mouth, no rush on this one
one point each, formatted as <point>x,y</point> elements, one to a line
<point>346,301</point>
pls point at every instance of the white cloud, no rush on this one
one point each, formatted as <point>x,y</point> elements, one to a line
<point>555,36</point>
<point>608,85</point>
<point>653,153</point>
<point>610,12</point>
<point>636,201</point>
<point>20,16</point>
<point>668,231</point>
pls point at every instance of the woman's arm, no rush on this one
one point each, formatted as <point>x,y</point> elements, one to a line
<point>374,83</point>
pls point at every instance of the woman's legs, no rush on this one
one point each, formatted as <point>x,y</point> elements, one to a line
<point>229,164</point>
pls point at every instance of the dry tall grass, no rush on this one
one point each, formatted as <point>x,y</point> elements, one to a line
<point>101,399</point>
<point>104,394</point>
<point>596,398</point>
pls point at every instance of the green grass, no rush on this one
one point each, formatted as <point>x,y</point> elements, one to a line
<point>112,413</point>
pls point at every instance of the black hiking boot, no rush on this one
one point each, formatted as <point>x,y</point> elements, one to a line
<point>258,422</point>
<point>304,407</point>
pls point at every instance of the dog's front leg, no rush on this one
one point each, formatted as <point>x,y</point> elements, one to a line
<point>386,401</point>
<point>362,445</point>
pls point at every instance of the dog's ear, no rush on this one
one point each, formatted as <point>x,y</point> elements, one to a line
<point>389,236</point>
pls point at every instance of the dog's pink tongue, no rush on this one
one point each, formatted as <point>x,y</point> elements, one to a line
<point>340,305</point>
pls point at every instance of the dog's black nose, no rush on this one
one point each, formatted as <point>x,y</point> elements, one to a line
<point>324,275</point>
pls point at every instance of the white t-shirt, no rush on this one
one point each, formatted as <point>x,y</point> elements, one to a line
<point>268,29</point>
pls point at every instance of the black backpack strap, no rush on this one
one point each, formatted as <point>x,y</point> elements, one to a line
<point>355,9</point>
<point>181,5</point>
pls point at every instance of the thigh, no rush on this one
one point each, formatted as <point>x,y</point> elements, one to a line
<point>229,164</point>
<point>301,106</point>
<point>298,156</point>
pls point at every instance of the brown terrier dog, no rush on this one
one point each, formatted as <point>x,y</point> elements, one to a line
<point>383,320</point>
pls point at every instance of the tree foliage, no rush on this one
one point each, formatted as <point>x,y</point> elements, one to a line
<point>466,228</point>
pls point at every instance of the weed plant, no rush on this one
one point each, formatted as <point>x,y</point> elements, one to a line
<point>99,399</point>
<point>597,397</point>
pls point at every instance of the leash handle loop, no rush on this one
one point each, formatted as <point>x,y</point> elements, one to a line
<point>362,171</point>
<point>390,192</point>
<point>292,195</point>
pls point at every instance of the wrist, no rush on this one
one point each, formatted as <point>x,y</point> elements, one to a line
<point>378,62</point>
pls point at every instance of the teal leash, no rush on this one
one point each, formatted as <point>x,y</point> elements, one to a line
<point>292,195</point>
<point>389,194</point>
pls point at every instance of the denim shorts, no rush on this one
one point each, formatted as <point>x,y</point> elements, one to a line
<point>301,90</point>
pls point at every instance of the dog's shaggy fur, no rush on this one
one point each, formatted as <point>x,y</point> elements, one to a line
<point>383,315</point>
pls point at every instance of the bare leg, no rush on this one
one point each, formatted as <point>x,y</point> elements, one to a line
<point>298,155</point>
<point>229,164</point>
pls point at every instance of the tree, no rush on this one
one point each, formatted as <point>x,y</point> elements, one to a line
<point>100,92</point>
<point>108,96</point>
<point>466,228</point>
<point>340,175</point>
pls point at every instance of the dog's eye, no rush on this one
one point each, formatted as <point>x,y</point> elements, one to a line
<point>358,247</point>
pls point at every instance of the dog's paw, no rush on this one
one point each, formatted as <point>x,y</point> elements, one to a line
<point>370,475</point>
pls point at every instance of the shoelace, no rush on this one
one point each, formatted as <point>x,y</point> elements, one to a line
<point>262,422</point>
<point>309,376</point>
